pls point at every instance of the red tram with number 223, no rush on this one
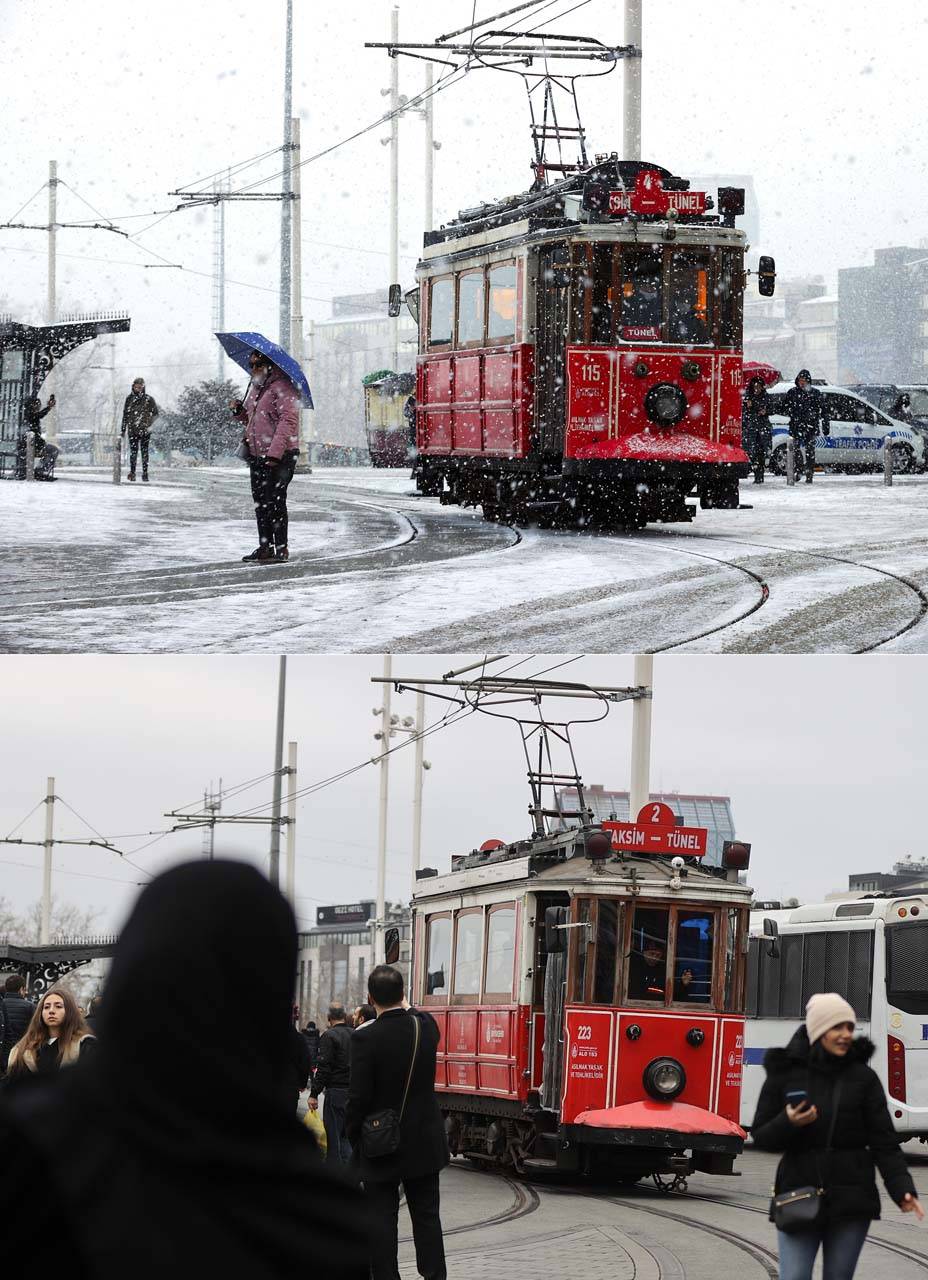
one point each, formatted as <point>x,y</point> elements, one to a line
<point>580,351</point>
<point>589,987</point>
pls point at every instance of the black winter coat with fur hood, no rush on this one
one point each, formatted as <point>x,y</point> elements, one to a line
<point>863,1134</point>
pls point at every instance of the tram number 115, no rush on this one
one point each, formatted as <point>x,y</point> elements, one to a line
<point>590,372</point>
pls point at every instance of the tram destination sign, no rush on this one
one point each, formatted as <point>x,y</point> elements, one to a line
<point>649,197</point>
<point>656,832</point>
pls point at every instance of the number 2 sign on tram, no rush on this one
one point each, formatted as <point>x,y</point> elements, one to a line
<point>656,832</point>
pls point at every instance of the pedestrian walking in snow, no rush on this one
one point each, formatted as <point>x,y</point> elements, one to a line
<point>331,1077</point>
<point>808,415</point>
<point>57,1036</point>
<point>270,416</point>
<point>175,1151</point>
<point>756,433</point>
<point>901,409</point>
<point>138,414</point>
<point>825,1109</point>
<point>45,453</point>
<point>17,1014</point>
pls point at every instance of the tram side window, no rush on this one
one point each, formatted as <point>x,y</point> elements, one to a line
<point>591,302</point>
<point>728,299</point>
<point>692,978</point>
<point>583,948</point>
<point>734,935</point>
<point>470,309</point>
<point>501,950</point>
<point>468,953</point>
<point>441,312</point>
<point>689,296</point>
<point>647,961</point>
<point>607,937</point>
<point>438,966</point>
<point>501,313</point>
<point>642,301</point>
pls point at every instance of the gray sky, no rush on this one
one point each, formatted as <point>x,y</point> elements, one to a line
<point>824,758</point>
<point>822,103</point>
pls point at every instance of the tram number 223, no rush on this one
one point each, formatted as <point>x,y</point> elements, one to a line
<point>585,1033</point>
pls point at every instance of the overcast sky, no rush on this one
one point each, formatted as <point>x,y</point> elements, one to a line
<point>822,103</point>
<point>824,759</point>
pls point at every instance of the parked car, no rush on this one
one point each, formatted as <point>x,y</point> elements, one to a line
<point>855,440</point>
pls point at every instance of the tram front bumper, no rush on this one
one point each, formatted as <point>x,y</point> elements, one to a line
<point>669,1126</point>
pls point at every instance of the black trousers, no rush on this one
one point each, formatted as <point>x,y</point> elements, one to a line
<point>269,483</point>
<point>134,442</point>
<point>758,456</point>
<point>422,1200</point>
<point>805,454</point>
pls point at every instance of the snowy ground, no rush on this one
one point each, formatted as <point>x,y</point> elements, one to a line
<point>838,566</point>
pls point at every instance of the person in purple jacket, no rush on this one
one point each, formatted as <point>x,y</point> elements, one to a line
<point>270,416</point>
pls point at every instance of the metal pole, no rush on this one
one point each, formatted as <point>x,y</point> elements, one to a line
<point>791,460</point>
<point>382,832</point>
<point>631,104</point>
<point>640,789</point>
<point>296,325</point>
<point>117,436</point>
<point>278,771</point>
<point>286,208</point>
<point>417,787</point>
<point>887,462</point>
<point>291,824</point>
<point>429,148</point>
<point>51,308</point>
<point>45,929</point>
<point>30,456</point>
<point>394,179</point>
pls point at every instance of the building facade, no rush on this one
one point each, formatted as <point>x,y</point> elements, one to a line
<point>883,322</point>
<point>336,956</point>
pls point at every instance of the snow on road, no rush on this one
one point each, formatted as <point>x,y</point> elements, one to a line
<point>92,567</point>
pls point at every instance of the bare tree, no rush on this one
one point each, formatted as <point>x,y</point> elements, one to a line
<point>68,920</point>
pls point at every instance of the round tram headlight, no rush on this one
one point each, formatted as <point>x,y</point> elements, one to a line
<point>665,404</point>
<point>664,1079</point>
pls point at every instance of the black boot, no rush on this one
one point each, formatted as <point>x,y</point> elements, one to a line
<point>263,552</point>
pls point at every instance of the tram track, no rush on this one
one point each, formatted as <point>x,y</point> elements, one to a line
<point>525,1201</point>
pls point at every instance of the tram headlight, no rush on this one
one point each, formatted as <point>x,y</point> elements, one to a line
<point>665,404</point>
<point>664,1079</point>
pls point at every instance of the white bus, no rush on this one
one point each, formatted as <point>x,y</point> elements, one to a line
<point>874,952</point>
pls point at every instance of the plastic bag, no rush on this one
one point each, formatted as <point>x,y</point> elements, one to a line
<point>313,1122</point>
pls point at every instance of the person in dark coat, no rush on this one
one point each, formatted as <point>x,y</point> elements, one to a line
<point>57,1036</point>
<point>756,434</point>
<point>301,1065</point>
<point>45,454</point>
<point>381,1057</point>
<point>824,1060</point>
<point>175,1150</point>
<point>331,1075</point>
<point>902,408</point>
<point>808,414</point>
<point>311,1036</point>
<point>17,1014</point>
<point>138,414</point>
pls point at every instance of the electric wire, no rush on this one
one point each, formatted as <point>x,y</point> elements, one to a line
<point>28,202</point>
<point>61,871</point>
<point>26,819</point>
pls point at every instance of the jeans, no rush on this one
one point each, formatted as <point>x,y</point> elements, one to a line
<point>422,1201</point>
<point>338,1148</point>
<point>269,483</point>
<point>841,1244</point>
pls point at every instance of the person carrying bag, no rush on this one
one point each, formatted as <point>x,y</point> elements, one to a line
<point>380,1132</point>
<point>824,1108</point>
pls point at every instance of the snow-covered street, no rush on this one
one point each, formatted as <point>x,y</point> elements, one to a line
<point>839,566</point>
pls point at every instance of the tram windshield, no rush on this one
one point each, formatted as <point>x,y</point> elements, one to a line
<point>677,294</point>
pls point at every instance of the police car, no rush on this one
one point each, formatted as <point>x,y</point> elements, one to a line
<point>855,441</point>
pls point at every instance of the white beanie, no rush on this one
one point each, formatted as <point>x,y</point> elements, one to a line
<point>826,1010</point>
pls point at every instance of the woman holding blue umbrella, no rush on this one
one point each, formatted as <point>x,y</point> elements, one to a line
<point>270,416</point>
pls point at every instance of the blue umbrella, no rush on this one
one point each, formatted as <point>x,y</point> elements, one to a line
<point>238,347</point>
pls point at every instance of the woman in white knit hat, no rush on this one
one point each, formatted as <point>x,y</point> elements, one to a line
<point>825,1109</point>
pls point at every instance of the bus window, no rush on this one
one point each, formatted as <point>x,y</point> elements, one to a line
<point>441,312</point>
<point>728,299</point>
<point>607,928</point>
<point>501,316</point>
<point>692,978</point>
<point>647,961</point>
<point>468,953</point>
<point>438,967</point>
<point>470,309</point>
<point>501,950</point>
<point>642,301</point>
<point>689,296</point>
<point>907,967</point>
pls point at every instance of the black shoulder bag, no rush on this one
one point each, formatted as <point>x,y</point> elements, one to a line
<point>380,1132</point>
<point>801,1208</point>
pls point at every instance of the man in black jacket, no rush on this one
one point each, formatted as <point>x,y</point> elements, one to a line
<point>17,1014</point>
<point>331,1075</point>
<point>385,1074</point>
<point>808,414</point>
<point>138,414</point>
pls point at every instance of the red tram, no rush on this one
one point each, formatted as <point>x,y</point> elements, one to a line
<point>591,1005</point>
<point>580,351</point>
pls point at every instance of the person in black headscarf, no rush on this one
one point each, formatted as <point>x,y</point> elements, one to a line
<point>175,1150</point>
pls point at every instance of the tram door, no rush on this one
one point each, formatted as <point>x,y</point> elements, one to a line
<point>552,293</point>
<point>551,988</point>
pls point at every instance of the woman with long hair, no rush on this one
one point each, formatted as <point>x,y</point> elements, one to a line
<point>56,1037</point>
<point>825,1109</point>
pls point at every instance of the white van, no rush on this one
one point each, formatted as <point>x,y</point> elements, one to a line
<point>855,440</point>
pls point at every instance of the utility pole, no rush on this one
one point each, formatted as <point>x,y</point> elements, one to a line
<point>429,147</point>
<point>631,105</point>
<point>296,328</point>
<point>278,773</point>
<point>394,179</point>
<point>212,805</point>
<point>45,928</point>
<point>417,786</point>
<point>116,435</point>
<point>384,737</point>
<point>639,791</point>
<point>219,275</point>
<point>286,207</point>
<point>51,307</point>
<point>291,824</point>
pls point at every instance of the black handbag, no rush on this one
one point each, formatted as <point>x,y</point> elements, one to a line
<point>380,1132</point>
<point>801,1208</point>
